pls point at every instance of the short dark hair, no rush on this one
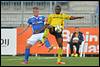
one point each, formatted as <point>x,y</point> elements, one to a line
<point>58,6</point>
<point>35,8</point>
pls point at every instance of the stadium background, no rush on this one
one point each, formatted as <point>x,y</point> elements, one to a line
<point>14,15</point>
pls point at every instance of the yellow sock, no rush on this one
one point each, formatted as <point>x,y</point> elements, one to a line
<point>59,58</point>
<point>45,34</point>
<point>59,55</point>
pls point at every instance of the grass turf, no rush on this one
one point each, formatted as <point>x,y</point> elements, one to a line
<point>49,61</point>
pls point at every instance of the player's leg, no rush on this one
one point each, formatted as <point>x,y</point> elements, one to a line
<point>77,49</point>
<point>31,41</point>
<point>44,36</point>
<point>60,50</point>
<point>27,53</point>
<point>59,39</point>
<point>47,44</point>
<point>45,40</point>
<point>71,49</point>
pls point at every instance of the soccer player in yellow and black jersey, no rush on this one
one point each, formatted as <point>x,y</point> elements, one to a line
<point>58,19</point>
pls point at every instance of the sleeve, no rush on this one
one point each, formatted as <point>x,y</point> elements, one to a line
<point>29,21</point>
<point>49,19</point>
<point>66,16</point>
<point>82,37</point>
<point>43,18</point>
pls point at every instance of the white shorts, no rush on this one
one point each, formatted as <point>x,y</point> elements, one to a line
<point>34,38</point>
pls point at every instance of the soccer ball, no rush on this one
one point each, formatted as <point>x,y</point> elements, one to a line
<point>58,28</point>
<point>75,39</point>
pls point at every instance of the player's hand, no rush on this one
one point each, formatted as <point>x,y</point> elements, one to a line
<point>49,27</point>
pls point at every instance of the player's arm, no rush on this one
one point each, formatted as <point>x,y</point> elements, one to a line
<point>44,27</point>
<point>46,24</point>
<point>68,17</point>
<point>73,18</point>
<point>24,29</point>
<point>47,21</point>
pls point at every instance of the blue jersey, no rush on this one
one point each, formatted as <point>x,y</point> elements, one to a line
<point>36,22</point>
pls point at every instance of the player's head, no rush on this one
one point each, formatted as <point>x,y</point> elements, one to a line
<point>35,11</point>
<point>77,29</point>
<point>58,9</point>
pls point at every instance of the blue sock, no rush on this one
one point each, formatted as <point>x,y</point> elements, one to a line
<point>27,53</point>
<point>47,44</point>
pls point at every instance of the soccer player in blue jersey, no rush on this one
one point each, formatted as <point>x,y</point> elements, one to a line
<point>37,22</point>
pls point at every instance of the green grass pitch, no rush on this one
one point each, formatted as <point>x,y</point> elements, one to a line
<point>49,61</point>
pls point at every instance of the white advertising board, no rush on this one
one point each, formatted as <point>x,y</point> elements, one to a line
<point>8,41</point>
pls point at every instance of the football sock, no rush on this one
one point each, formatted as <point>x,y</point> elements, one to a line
<point>60,51</point>
<point>47,44</point>
<point>27,53</point>
<point>45,35</point>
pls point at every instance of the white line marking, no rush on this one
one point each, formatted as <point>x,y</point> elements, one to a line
<point>31,58</point>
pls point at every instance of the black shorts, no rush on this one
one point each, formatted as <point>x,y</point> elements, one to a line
<point>56,34</point>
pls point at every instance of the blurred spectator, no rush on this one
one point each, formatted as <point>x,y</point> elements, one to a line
<point>76,39</point>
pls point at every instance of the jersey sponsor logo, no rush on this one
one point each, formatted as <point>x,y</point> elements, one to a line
<point>58,17</point>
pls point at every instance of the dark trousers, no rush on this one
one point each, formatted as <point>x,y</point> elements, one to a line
<point>77,45</point>
<point>57,36</point>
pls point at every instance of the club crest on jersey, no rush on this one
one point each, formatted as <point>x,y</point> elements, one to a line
<point>40,18</point>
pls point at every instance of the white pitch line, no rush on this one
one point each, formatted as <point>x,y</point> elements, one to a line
<point>30,58</point>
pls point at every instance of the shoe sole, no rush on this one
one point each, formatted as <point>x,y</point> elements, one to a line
<point>60,62</point>
<point>23,63</point>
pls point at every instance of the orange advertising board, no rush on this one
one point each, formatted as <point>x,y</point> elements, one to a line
<point>91,37</point>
